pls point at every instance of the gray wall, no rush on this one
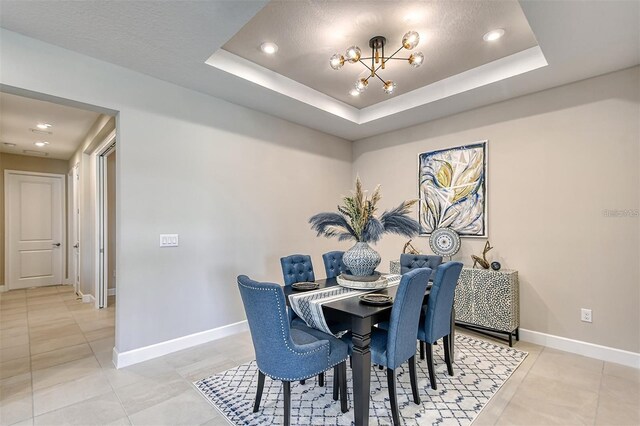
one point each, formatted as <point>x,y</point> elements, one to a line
<point>557,159</point>
<point>237,185</point>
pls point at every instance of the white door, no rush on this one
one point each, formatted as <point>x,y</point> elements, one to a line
<point>34,211</point>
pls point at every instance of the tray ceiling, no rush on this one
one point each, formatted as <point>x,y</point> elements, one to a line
<point>309,32</point>
<point>171,40</point>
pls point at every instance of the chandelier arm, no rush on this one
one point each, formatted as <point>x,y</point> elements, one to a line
<point>394,54</point>
<point>383,82</point>
<point>385,60</point>
<point>398,59</point>
<point>365,65</point>
<point>376,70</point>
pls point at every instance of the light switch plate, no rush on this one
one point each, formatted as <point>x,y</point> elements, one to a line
<point>168,240</point>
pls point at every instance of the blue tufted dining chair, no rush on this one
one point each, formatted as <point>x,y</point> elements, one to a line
<point>436,320</point>
<point>397,344</point>
<point>288,353</point>
<point>333,264</point>
<point>413,261</point>
<point>297,268</point>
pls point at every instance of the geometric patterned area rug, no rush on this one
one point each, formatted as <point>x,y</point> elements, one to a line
<point>480,369</point>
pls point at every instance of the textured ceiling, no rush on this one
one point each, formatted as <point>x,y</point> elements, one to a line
<point>309,32</point>
<point>170,40</point>
<point>18,115</point>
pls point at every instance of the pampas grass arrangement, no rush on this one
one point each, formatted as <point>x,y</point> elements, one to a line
<point>356,219</point>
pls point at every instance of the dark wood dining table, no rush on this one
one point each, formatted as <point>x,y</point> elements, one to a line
<point>362,318</point>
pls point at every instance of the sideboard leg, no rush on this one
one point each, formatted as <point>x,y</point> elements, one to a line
<point>510,339</point>
<point>518,334</point>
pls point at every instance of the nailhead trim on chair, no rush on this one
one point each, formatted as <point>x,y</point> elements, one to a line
<point>293,350</point>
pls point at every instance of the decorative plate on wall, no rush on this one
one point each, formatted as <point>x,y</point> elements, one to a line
<point>444,242</point>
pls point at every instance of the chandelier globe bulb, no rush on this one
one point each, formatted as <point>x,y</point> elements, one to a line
<point>410,40</point>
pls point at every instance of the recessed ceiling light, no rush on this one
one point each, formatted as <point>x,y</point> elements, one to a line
<point>269,48</point>
<point>493,35</point>
<point>354,92</point>
<point>43,126</point>
<point>41,143</point>
<point>9,145</point>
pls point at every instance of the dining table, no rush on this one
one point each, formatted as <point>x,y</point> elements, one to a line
<point>362,318</point>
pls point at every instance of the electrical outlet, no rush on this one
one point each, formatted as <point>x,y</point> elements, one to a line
<point>168,240</point>
<point>585,315</point>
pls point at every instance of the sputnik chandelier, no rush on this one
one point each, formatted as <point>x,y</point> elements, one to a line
<point>378,60</point>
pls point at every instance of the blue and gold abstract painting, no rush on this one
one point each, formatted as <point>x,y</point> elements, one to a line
<point>453,190</point>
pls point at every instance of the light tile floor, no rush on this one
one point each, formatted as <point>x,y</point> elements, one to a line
<point>55,368</point>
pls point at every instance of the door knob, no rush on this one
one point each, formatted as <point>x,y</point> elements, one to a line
<point>57,244</point>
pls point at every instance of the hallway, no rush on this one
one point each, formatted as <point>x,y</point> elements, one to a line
<point>41,330</point>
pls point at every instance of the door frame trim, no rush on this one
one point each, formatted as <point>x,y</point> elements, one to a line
<point>73,221</point>
<point>100,154</point>
<point>7,220</point>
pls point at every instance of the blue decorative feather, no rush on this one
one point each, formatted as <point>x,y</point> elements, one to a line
<point>395,221</point>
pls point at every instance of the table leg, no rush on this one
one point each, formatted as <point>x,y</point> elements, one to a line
<point>361,370</point>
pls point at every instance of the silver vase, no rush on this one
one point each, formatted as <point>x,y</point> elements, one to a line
<point>361,259</point>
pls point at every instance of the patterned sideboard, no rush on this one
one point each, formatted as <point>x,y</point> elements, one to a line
<point>486,300</point>
<point>489,300</point>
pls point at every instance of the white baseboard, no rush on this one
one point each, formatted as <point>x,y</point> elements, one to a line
<point>86,298</point>
<point>605,353</point>
<point>111,292</point>
<point>124,359</point>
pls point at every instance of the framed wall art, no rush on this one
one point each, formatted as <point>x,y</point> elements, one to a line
<point>452,188</point>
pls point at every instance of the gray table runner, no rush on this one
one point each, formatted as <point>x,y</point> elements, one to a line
<point>308,305</point>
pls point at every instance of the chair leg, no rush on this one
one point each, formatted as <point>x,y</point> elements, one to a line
<point>447,354</point>
<point>256,406</point>
<point>421,349</point>
<point>414,379</point>
<point>321,380</point>
<point>336,382</point>
<point>432,376</point>
<point>344,402</point>
<point>302,382</point>
<point>391,382</point>
<point>287,403</point>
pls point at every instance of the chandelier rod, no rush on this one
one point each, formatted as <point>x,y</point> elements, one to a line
<point>375,71</point>
<point>385,59</point>
<point>383,82</point>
